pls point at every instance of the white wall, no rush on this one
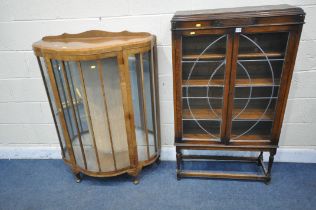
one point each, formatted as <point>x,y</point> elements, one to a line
<point>25,118</point>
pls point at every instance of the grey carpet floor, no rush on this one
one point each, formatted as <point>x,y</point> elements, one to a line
<point>49,184</point>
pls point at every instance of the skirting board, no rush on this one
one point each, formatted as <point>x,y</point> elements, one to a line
<point>284,154</point>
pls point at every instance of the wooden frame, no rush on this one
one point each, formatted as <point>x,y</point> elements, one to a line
<point>236,24</point>
<point>96,46</point>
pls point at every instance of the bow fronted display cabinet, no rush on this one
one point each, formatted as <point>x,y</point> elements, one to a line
<point>102,89</point>
<point>232,71</point>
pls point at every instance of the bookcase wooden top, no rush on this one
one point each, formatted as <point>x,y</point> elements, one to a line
<point>239,12</point>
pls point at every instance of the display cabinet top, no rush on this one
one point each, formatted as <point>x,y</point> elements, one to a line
<point>91,42</point>
<point>239,12</point>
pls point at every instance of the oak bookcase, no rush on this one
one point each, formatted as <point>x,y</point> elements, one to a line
<point>232,70</point>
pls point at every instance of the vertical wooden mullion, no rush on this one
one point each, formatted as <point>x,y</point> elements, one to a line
<point>66,101</point>
<point>128,106</point>
<point>156,91</point>
<point>286,77</point>
<point>143,99</point>
<point>51,107</point>
<point>86,104</point>
<point>232,79</point>
<point>68,95</point>
<point>177,83</point>
<point>60,110</point>
<point>228,65</point>
<point>106,114</point>
<point>152,94</point>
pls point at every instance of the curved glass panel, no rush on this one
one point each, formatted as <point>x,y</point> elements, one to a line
<point>77,97</point>
<point>90,93</point>
<point>138,107</point>
<point>99,120</point>
<point>114,103</point>
<point>68,112</point>
<point>149,101</point>
<point>142,83</point>
<point>55,110</point>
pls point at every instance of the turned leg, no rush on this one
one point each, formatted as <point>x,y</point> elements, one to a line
<point>179,159</point>
<point>260,158</point>
<point>271,159</point>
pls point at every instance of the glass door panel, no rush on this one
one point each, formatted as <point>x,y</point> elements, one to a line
<point>91,99</point>
<point>84,139</point>
<point>115,112</point>
<point>259,69</point>
<point>56,113</point>
<point>68,111</point>
<point>150,112</point>
<point>139,122</point>
<point>142,83</point>
<point>203,79</point>
<point>99,120</point>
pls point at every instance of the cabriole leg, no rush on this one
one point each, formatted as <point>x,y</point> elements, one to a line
<point>135,180</point>
<point>77,174</point>
<point>135,174</point>
<point>78,177</point>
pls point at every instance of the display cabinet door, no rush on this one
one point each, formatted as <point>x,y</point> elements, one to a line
<point>256,75</point>
<point>141,74</point>
<point>54,108</point>
<point>205,64</point>
<point>90,98</point>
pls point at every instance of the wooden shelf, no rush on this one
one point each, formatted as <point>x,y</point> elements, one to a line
<point>247,114</point>
<point>203,82</point>
<point>201,114</point>
<point>261,55</point>
<point>204,137</point>
<point>240,56</point>
<point>257,137</point>
<point>196,136</point>
<point>253,114</point>
<point>203,57</point>
<point>216,144</point>
<point>256,82</point>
